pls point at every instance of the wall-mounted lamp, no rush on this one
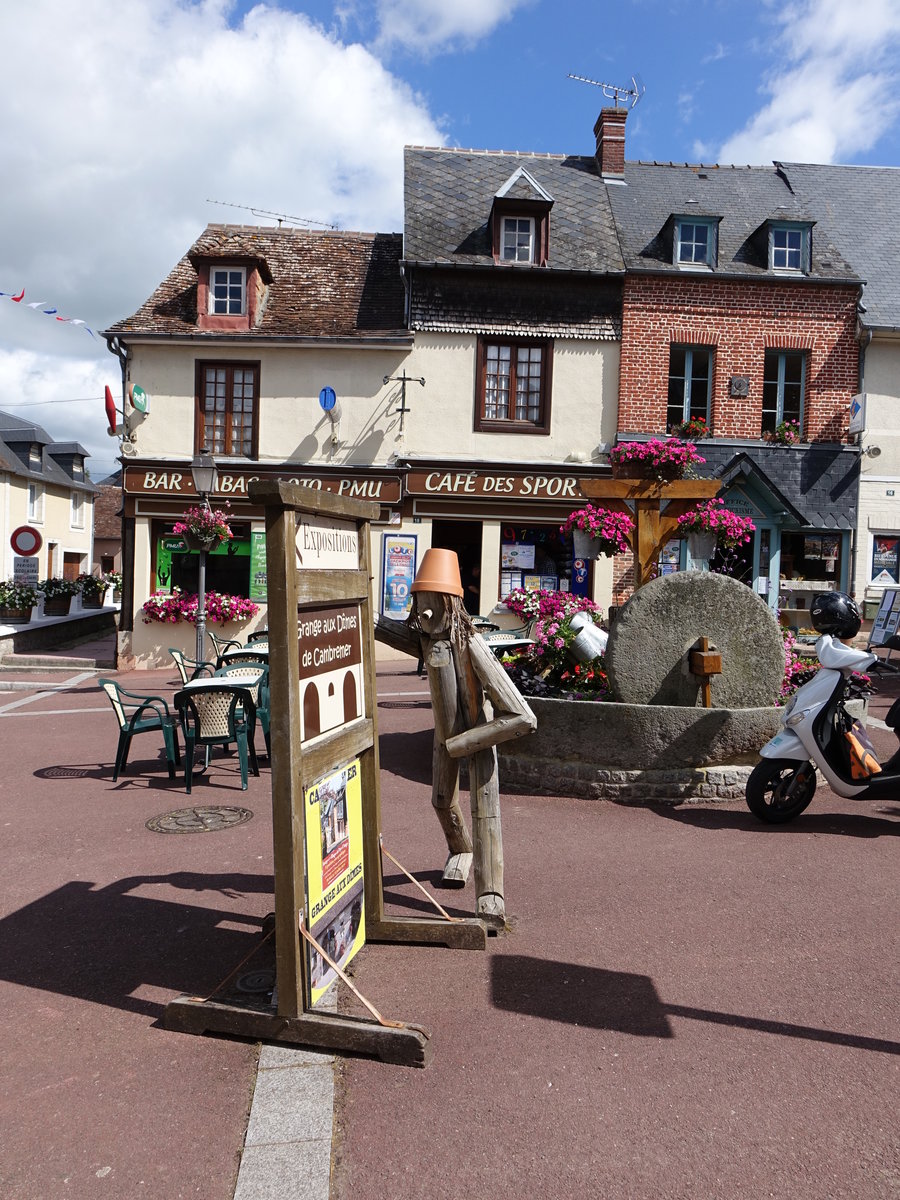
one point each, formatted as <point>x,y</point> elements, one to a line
<point>872,451</point>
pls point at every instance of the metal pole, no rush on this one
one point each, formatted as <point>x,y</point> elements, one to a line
<point>201,607</point>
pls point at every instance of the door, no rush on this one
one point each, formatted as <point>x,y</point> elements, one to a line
<point>464,538</point>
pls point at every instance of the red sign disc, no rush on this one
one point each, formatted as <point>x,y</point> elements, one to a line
<point>111,412</point>
<point>25,540</point>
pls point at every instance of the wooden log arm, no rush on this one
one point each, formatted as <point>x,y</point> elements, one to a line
<point>512,716</point>
<point>397,635</point>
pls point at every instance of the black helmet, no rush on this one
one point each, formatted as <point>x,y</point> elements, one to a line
<point>837,613</point>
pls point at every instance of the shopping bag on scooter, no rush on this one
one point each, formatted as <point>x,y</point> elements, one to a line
<point>863,759</point>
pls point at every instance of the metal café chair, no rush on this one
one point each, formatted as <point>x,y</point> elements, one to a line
<point>220,645</point>
<point>255,677</point>
<point>216,713</point>
<point>135,714</point>
<point>246,654</point>
<point>259,635</point>
<point>190,668</point>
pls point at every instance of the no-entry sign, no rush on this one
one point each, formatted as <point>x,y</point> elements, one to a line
<point>26,540</point>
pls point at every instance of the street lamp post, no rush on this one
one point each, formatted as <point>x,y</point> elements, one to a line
<point>205,476</point>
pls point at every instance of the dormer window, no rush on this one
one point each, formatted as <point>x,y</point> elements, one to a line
<point>34,456</point>
<point>518,239</point>
<point>520,221</point>
<point>789,247</point>
<point>228,291</point>
<point>695,242</point>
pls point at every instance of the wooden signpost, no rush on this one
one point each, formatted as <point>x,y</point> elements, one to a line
<point>325,784</point>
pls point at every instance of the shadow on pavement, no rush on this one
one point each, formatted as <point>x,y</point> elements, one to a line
<point>104,944</point>
<point>619,1000</point>
<point>860,824</point>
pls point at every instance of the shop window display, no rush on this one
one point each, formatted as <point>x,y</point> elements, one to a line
<point>539,556</point>
<point>227,567</point>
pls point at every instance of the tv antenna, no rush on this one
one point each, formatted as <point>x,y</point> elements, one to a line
<point>279,217</point>
<point>613,92</point>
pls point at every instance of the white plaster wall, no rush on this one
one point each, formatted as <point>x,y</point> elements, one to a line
<point>879,510</point>
<point>441,414</point>
<point>54,526</point>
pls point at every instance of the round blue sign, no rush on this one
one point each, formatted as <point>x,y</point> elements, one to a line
<point>327,398</point>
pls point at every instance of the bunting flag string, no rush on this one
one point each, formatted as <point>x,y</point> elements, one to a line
<point>47,310</point>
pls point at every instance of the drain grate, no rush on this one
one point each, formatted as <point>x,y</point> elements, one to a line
<point>205,818</point>
<point>261,980</point>
<point>64,772</point>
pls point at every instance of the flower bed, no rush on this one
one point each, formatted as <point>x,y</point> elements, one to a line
<point>172,607</point>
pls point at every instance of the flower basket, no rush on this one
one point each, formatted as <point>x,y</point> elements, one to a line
<point>195,541</point>
<point>57,606</point>
<point>598,531</point>
<point>14,616</point>
<point>93,590</point>
<point>702,546</point>
<point>653,459</point>
<point>586,546</point>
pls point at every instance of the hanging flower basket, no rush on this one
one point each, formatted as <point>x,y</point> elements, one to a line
<point>598,532</point>
<point>194,541</point>
<point>203,528</point>
<point>702,546</point>
<point>714,520</point>
<point>653,459</point>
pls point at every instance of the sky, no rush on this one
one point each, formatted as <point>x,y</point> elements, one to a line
<point>129,125</point>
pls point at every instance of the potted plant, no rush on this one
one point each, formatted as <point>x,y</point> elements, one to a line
<point>785,433</point>
<point>113,579</point>
<point>657,458</point>
<point>711,525</point>
<point>598,531</point>
<point>691,430</point>
<point>203,528</point>
<point>16,602</point>
<point>57,595</point>
<point>93,589</point>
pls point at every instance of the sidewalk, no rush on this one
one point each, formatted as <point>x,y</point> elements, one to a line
<point>688,1003</point>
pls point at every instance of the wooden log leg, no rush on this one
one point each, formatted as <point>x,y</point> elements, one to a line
<point>487,838</point>
<point>445,770</point>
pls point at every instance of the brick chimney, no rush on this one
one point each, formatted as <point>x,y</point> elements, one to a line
<point>610,134</point>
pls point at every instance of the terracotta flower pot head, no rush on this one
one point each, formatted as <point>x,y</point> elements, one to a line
<point>439,572</point>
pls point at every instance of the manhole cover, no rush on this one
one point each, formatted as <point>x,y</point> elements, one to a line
<point>205,818</point>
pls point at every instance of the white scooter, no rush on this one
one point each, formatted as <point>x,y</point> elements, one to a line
<point>815,723</point>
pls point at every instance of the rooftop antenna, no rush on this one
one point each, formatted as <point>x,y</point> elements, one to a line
<point>613,92</point>
<point>279,217</point>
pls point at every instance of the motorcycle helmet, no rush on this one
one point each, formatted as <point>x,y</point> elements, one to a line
<point>835,613</point>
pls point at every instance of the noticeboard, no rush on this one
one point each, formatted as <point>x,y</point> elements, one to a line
<point>887,618</point>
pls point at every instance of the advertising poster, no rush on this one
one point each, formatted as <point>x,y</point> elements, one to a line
<point>398,570</point>
<point>516,556</point>
<point>334,873</point>
<point>258,566</point>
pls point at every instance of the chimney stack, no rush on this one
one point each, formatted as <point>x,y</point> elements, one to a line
<point>610,134</point>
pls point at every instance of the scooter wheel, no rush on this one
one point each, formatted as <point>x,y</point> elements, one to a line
<point>778,789</point>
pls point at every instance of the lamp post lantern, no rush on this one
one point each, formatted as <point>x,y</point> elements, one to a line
<point>205,476</point>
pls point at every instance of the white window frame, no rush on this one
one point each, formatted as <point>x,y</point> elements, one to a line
<point>511,247</point>
<point>791,258</point>
<point>76,511</point>
<point>681,241</point>
<point>223,302</point>
<point>35,502</point>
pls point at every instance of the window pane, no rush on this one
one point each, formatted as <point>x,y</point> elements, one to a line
<point>698,399</point>
<point>675,412</point>
<point>693,242</point>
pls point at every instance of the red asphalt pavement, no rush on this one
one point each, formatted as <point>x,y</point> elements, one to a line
<point>688,1004</point>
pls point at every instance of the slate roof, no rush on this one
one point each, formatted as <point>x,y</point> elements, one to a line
<point>448,196</point>
<point>860,208</point>
<point>323,284</point>
<point>819,481</point>
<point>745,198</point>
<point>16,438</point>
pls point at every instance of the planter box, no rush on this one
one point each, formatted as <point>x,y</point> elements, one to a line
<point>57,607</point>
<point>15,616</point>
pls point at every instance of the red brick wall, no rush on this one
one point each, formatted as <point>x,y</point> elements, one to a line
<point>741,321</point>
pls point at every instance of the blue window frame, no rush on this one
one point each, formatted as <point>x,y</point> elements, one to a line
<point>690,380</point>
<point>789,247</point>
<point>784,378</point>
<point>695,242</point>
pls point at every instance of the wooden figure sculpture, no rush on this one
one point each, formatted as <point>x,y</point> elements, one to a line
<point>476,707</point>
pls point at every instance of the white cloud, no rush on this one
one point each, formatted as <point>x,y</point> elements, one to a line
<point>837,90</point>
<point>122,117</point>
<point>428,26</point>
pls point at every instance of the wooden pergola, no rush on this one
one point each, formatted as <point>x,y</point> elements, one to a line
<point>655,508</point>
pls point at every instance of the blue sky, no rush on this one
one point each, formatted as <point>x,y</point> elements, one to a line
<point>124,119</point>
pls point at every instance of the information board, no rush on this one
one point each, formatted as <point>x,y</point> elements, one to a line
<point>887,618</point>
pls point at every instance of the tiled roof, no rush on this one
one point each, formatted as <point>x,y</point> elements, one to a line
<point>745,198</point>
<point>448,195</point>
<point>16,438</point>
<point>487,302</point>
<point>820,481</point>
<point>859,207</point>
<point>324,284</point>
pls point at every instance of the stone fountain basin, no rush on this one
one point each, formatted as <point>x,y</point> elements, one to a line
<point>592,750</point>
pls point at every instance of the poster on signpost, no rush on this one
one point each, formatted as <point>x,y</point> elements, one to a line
<point>331,673</point>
<point>398,569</point>
<point>334,872</point>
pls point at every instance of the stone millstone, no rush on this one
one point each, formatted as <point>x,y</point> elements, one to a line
<point>648,654</point>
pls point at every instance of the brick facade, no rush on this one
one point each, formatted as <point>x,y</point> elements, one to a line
<point>740,320</point>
